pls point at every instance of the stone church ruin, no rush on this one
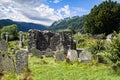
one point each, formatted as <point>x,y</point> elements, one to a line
<point>44,40</point>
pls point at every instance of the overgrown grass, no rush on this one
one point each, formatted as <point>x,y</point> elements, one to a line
<point>70,71</point>
<point>49,70</point>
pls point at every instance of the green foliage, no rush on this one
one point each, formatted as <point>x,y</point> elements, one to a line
<point>114,48</point>
<point>103,18</point>
<point>84,41</point>
<point>97,47</point>
<point>12,31</point>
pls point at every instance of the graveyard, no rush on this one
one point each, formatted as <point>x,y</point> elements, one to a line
<point>59,40</point>
<point>47,55</point>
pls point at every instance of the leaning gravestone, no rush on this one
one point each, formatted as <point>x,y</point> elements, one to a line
<point>72,55</point>
<point>7,63</point>
<point>21,61</point>
<point>85,56</point>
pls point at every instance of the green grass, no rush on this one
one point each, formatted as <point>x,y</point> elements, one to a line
<point>49,70</point>
<point>70,71</point>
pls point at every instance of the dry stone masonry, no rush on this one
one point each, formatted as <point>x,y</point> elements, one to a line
<point>44,40</point>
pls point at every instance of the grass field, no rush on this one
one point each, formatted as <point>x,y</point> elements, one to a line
<point>49,70</point>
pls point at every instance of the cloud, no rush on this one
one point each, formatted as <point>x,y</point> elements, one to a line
<point>31,11</point>
<point>56,1</point>
<point>65,11</point>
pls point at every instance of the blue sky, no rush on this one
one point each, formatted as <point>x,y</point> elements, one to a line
<point>44,11</point>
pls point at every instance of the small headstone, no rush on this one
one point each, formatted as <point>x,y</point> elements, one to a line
<point>59,56</point>
<point>36,52</point>
<point>85,56</point>
<point>72,55</point>
<point>21,61</point>
<point>48,53</point>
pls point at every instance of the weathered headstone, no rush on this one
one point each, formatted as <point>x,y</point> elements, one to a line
<point>59,56</point>
<point>21,61</point>
<point>85,56</point>
<point>72,55</point>
<point>20,40</point>
<point>36,52</point>
<point>6,35</point>
<point>3,45</point>
<point>48,52</point>
<point>7,63</point>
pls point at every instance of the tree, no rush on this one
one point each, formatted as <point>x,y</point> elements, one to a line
<point>12,31</point>
<point>103,18</point>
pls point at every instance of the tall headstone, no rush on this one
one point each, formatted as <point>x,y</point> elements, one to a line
<point>6,36</point>
<point>3,45</point>
<point>20,40</point>
<point>21,61</point>
<point>59,54</point>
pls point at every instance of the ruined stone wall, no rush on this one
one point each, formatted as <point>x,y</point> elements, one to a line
<point>43,40</point>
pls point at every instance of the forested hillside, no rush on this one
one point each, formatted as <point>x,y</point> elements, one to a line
<point>75,23</point>
<point>22,26</point>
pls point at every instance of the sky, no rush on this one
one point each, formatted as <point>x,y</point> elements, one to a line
<point>45,11</point>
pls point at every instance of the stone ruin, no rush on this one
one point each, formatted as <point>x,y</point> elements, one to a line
<point>59,45</point>
<point>47,40</point>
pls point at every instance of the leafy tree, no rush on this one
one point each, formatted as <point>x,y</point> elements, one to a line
<point>12,31</point>
<point>103,18</point>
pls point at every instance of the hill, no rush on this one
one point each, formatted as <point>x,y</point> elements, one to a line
<point>22,26</point>
<point>75,22</point>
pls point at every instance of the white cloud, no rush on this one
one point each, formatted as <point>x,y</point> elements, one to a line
<point>65,11</point>
<point>31,11</point>
<point>56,1</point>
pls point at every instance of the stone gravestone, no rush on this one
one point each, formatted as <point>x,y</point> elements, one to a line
<point>21,61</point>
<point>20,40</point>
<point>48,52</point>
<point>36,52</point>
<point>72,55</point>
<point>7,63</point>
<point>3,45</point>
<point>6,35</point>
<point>59,54</point>
<point>85,56</point>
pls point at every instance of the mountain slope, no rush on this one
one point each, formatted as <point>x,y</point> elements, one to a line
<point>22,26</point>
<point>75,22</point>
